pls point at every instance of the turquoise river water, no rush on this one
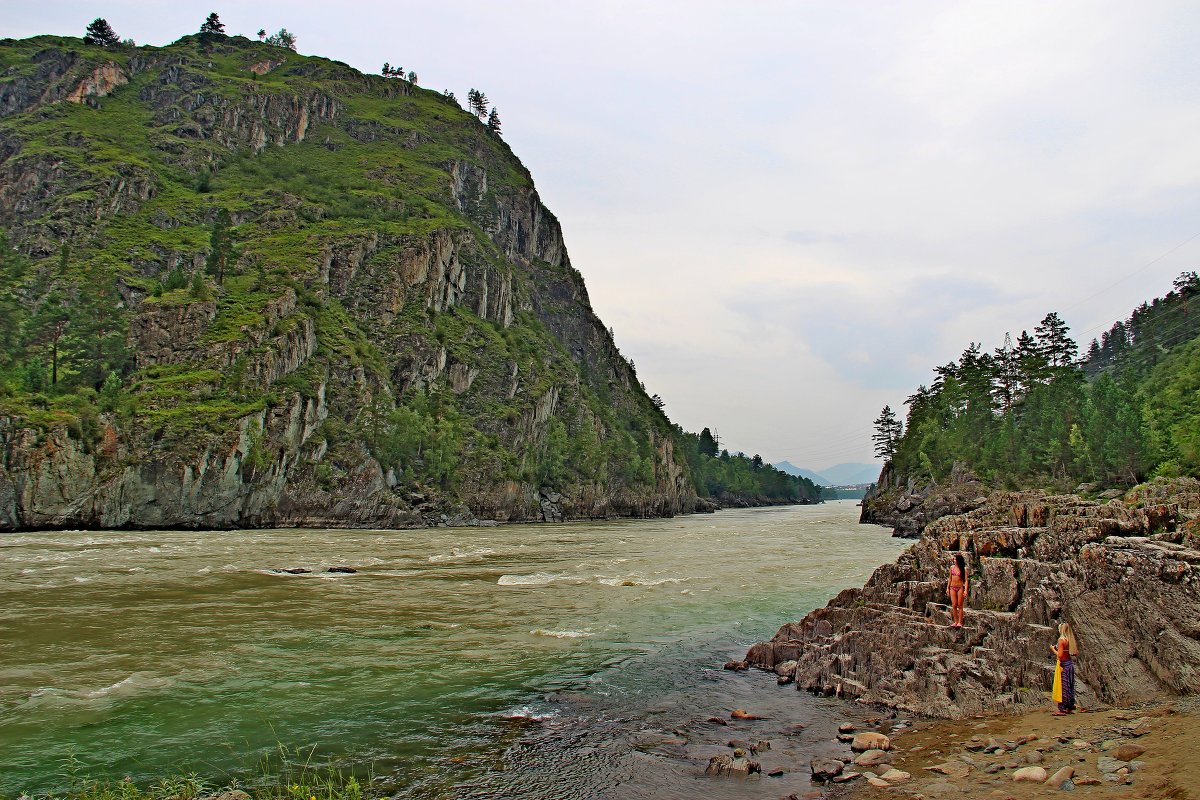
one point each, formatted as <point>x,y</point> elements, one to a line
<point>541,661</point>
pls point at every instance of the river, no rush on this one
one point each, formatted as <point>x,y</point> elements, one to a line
<point>541,661</point>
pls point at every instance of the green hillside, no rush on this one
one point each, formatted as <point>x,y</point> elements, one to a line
<point>1031,414</point>
<point>242,287</point>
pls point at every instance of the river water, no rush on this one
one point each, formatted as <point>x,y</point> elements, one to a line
<point>540,661</point>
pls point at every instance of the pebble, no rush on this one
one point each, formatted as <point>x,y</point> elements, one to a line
<point>1106,764</point>
<point>1086,780</point>
<point>846,777</point>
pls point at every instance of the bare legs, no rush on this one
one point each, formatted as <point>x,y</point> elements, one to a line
<point>958,596</point>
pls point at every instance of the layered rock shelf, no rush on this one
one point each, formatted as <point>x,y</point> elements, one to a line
<point>1125,574</point>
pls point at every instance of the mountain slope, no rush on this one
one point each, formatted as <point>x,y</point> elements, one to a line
<point>792,469</point>
<point>245,287</point>
<point>851,473</point>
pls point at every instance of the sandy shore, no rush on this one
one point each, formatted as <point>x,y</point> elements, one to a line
<point>979,757</point>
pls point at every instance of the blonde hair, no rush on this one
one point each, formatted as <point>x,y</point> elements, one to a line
<point>1064,631</point>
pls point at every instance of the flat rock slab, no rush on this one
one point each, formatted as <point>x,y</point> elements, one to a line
<point>954,769</point>
<point>871,758</point>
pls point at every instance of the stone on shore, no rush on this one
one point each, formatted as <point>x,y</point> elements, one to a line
<point>726,764</point>
<point>870,758</point>
<point>1031,774</point>
<point>824,769</point>
<point>954,769</point>
<point>894,776</point>
<point>868,740</point>
<point>1128,752</point>
<point>1060,777</point>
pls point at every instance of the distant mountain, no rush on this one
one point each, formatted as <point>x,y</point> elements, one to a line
<point>792,469</point>
<point>848,474</point>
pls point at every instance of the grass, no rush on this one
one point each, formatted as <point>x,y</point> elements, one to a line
<point>285,775</point>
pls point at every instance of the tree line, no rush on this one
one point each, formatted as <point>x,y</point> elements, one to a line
<point>99,32</point>
<point>1032,412</point>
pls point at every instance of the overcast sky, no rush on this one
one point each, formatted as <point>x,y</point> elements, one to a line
<point>790,212</point>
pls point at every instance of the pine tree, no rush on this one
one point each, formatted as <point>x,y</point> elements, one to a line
<point>473,101</point>
<point>99,32</point>
<point>888,431</point>
<point>387,70</point>
<point>1057,347</point>
<point>212,26</point>
<point>412,76</point>
<point>493,122</point>
<point>708,443</point>
<point>262,34</point>
<point>221,252</point>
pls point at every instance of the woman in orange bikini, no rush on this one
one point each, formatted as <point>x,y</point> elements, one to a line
<point>1065,650</point>
<point>957,587</point>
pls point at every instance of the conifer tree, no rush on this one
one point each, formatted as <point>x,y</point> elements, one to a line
<point>262,34</point>
<point>221,251</point>
<point>99,32</point>
<point>493,122</point>
<point>412,76</point>
<point>887,433</point>
<point>212,26</point>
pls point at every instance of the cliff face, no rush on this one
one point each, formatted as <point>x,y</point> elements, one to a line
<point>1126,575</point>
<point>907,508</point>
<point>324,298</point>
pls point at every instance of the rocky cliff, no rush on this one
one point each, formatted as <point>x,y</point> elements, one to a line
<point>908,507</point>
<point>1125,574</point>
<point>254,288</point>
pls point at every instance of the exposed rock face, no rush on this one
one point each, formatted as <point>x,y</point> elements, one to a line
<point>1126,578</point>
<point>908,508</point>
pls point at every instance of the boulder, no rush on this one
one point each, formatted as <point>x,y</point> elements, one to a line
<point>869,740</point>
<point>1128,752</point>
<point>1106,764</point>
<point>1030,774</point>
<point>725,764</point>
<point>824,769</point>
<point>1060,777</point>
<point>741,713</point>
<point>894,776</point>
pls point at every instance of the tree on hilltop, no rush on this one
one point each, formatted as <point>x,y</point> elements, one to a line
<point>212,26</point>
<point>262,34</point>
<point>412,76</point>
<point>282,38</point>
<point>101,33</point>
<point>493,122</point>
<point>708,443</point>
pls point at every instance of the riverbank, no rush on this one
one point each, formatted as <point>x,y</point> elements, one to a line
<point>1138,752</point>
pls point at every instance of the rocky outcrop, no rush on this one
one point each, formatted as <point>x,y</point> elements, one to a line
<point>1126,576</point>
<point>908,507</point>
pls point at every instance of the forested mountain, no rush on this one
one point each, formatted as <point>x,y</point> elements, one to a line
<point>1030,413</point>
<point>242,287</point>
